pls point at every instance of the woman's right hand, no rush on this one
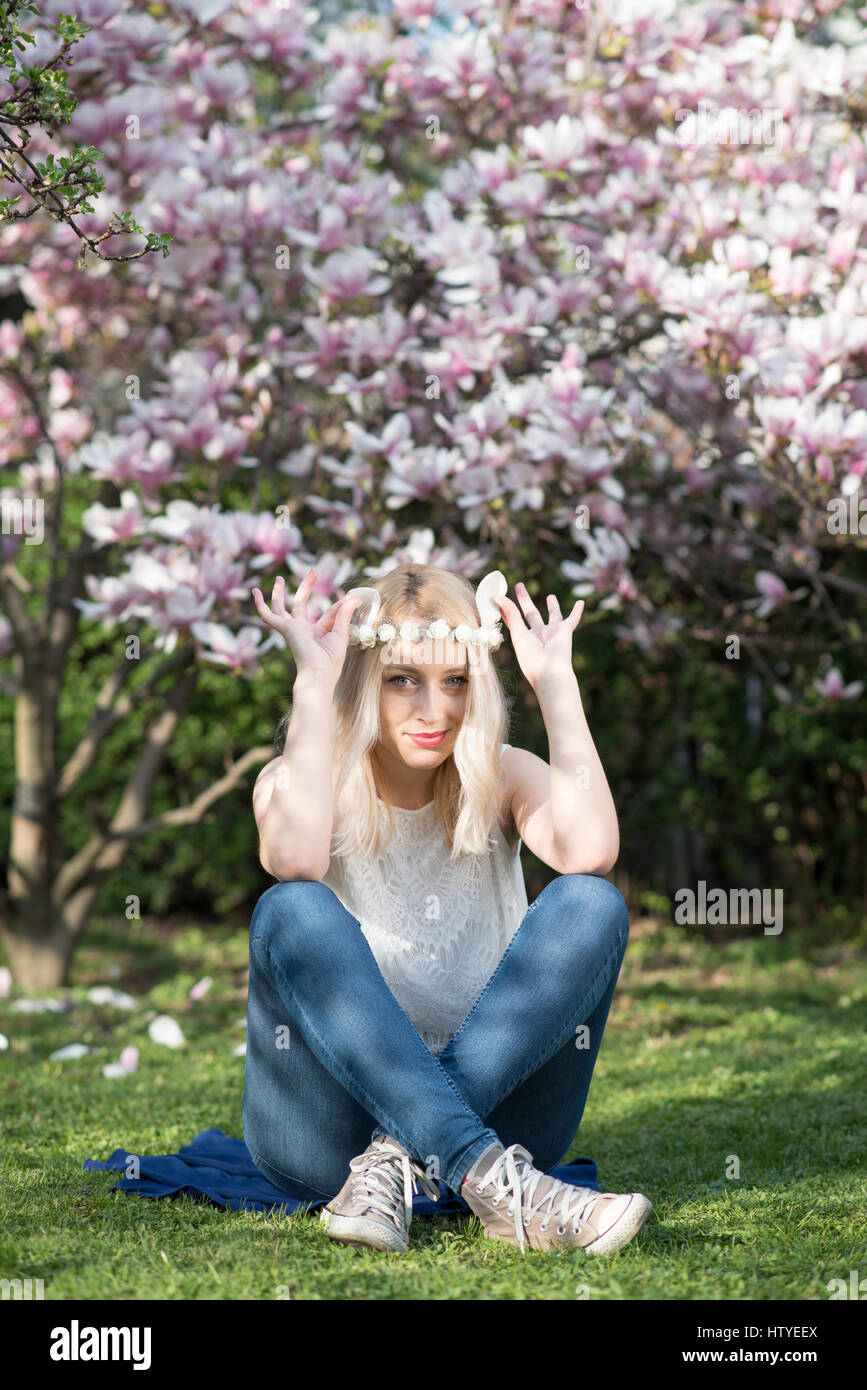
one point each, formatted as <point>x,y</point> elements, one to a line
<point>319,646</point>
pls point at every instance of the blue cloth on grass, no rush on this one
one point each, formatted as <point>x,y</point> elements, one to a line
<point>220,1168</point>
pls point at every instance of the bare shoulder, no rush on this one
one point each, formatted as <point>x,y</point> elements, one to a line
<point>521,766</point>
<point>527,786</point>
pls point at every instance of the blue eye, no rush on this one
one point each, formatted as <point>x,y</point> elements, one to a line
<point>393,679</point>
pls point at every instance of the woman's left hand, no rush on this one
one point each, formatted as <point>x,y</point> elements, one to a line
<point>543,651</point>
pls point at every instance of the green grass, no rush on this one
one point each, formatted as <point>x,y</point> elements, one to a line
<point>752,1048</point>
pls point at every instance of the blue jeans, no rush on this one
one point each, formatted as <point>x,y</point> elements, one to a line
<point>332,1058</point>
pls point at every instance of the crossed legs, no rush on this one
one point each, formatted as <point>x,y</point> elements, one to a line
<point>333,1058</point>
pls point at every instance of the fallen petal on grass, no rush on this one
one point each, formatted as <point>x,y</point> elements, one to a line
<point>104,994</point>
<point>166,1031</point>
<point>38,1006</point>
<point>126,1066</point>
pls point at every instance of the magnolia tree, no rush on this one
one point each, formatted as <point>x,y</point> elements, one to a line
<point>440,283</point>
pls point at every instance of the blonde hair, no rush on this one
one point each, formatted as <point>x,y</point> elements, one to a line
<point>467,788</point>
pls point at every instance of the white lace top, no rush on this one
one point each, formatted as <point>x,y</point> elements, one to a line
<point>437,929</point>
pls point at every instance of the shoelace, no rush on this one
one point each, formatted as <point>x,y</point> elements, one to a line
<point>378,1180</point>
<point>507,1175</point>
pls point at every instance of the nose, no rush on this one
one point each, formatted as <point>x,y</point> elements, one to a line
<point>432,706</point>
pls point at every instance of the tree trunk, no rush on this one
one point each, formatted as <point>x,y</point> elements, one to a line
<point>38,962</point>
<point>46,908</point>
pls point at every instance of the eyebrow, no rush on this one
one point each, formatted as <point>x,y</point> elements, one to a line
<point>453,670</point>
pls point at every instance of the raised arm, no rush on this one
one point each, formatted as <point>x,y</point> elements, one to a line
<point>293,797</point>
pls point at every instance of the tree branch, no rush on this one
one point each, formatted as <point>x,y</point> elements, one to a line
<point>134,800</point>
<point>74,874</point>
<point>12,585</point>
<point>192,814</point>
<point>106,718</point>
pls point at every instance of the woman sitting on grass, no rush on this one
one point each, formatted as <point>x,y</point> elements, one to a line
<point>410,1016</point>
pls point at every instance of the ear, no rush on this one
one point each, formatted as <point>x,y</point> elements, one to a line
<point>493,583</point>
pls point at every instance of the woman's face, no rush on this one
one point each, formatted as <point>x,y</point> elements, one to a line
<point>424,691</point>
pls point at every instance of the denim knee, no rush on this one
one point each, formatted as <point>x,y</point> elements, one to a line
<point>589,893</point>
<point>282,905</point>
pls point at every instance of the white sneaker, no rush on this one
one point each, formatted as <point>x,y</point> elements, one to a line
<point>600,1222</point>
<point>374,1206</point>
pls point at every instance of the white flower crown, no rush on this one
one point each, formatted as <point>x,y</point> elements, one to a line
<point>369,633</point>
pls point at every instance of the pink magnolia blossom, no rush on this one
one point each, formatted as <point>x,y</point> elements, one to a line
<point>223,84</point>
<point>774,593</point>
<point>411,11</point>
<point>524,197</point>
<point>831,687</point>
<point>463,63</point>
<point>420,475</point>
<point>348,274</point>
<point>239,651</point>
<point>109,524</point>
<point>394,439</point>
<point>604,570</point>
<point>556,144</point>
